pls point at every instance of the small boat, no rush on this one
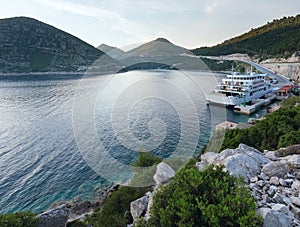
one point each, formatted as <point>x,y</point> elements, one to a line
<point>237,89</point>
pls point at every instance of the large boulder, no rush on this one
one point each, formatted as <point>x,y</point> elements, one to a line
<point>57,217</point>
<point>243,161</point>
<point>275,169</point>
<point>138,207</point>
<point>241,165</point>
<point>163,173</point>
<point>275,218</point>
<point>293,161</point>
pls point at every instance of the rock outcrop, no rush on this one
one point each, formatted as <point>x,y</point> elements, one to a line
<point>272,178</point>
<point>55,217</point>
<point>163,173</point>
<point>141,207</point>
<point>241,162</point>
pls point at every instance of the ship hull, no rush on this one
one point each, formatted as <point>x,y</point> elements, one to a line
<point>230,101</point>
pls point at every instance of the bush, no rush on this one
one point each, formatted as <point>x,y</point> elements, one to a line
<point>279,129</point>
<point>290,102</point>
<point>20,219</point>
<point>146,159</point>
<point>115,211</point>
<point>209,198</point>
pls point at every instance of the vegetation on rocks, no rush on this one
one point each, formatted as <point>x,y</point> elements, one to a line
<point>203,198</point>
<point>279,129</point>
<point>20,219</point>
<point>145,159</point>
<point>115,211</point>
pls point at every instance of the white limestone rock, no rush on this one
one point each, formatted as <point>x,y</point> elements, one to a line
<point>163,173</point>
<point>138,207</point>
<point>275,218</point>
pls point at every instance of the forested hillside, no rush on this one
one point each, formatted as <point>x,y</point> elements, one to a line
<point>279,38</point>
<point>279,129</point>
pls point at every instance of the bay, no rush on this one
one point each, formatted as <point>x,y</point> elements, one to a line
<point>53,127</point>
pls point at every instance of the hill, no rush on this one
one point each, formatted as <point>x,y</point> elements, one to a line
<point>279,38</point>
<point>114,52</point>
<point>160,47</point>
<point>28,45</point>
<point>161,53</point>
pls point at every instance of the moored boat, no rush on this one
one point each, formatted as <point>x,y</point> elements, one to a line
<point>237,89</point>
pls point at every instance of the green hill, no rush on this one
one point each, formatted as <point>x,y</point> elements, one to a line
<point>279,38</point>
<point>159,47</point>
<point>28,45</point>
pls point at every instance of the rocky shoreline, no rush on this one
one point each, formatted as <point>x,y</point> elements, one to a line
<point>273,178</point>
<point>64,212</point>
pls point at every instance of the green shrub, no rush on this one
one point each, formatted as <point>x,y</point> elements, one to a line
<point>115,211</point>
<point>208,198</point>
<point>290,102</point>
<point>146,159</point>
<point>20,219</point>
<point>279,129</point>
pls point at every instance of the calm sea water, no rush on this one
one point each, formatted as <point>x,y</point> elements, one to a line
<point>47,123</point>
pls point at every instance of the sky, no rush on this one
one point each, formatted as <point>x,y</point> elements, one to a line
<point>121,23</point>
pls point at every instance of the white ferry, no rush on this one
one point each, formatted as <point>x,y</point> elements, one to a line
<point>237,89</point>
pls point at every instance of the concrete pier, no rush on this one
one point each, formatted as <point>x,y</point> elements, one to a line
<point>249,109</point>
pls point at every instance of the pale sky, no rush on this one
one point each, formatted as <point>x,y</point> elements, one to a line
<point>188,23</point>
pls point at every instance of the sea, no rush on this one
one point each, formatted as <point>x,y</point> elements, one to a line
<point>65,136</point>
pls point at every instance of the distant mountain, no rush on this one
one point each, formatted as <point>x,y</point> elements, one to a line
<point>160,47</point>
<point>280,38</point>
<point>114,52</point>
<point>28,45</point>
<point>162,54</point>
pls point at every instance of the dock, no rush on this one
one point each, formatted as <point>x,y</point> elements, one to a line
<point>249,109</point>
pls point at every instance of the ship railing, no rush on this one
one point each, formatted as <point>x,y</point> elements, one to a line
<point>232,90</point>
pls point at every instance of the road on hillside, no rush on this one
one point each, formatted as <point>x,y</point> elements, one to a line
<point>281,79</point>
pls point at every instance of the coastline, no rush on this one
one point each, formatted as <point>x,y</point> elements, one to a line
<point>103,73</point>
<point>78,208</point>
<point>54,73</point>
